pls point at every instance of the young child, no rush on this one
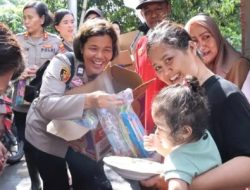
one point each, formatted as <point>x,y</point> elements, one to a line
<point>180,113</point>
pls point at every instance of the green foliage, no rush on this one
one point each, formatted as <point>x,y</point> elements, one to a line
<point>115,10</point>
<point>55,5</point>
<point>12,16</point>
<point>225,12</point>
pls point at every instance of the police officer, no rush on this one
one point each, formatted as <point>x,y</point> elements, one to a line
<point>38,46</point>
<point>95,46</point>
<point>64,24</point>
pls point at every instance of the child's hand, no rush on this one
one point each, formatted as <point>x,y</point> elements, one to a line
<point>152,143</point>
<point>149,142</point>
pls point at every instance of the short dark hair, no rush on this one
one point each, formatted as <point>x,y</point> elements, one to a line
<point>10,52</point>
<point>169,33</point>
<point>59,14</point>
<point>183,104</point>
<point>42,10</point>
<point>95,27</point>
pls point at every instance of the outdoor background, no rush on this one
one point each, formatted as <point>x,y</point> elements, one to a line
<point>225,12</point>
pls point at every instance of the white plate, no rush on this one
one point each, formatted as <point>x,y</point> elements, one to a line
<point>133,168</point>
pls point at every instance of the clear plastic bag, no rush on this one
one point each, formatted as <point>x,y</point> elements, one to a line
<point>19,93</point>
<point>123,128</point>
<point>89,120</point>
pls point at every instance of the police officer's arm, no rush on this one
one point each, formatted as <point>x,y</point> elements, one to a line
<point>53,103</point>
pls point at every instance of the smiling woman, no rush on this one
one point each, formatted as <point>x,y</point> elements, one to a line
<point>174,55</point>
<point>95,45</point>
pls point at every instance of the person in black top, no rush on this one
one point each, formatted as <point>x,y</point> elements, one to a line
<point>173,56</point>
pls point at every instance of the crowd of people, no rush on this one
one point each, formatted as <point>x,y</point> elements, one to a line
<point>195,114</point>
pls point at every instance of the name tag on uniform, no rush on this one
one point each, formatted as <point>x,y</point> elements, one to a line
<point>80,70</point>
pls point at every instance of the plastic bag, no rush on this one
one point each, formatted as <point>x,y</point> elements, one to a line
<point>89,120</point>
<point>123,128</point>
<point>20,91</point>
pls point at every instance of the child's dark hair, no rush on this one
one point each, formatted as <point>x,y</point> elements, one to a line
<point>42,10</point>
<point>183,104</point>
<point>169,33</point>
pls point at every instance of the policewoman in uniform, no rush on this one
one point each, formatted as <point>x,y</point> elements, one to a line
<point>38,46</point>
<point>95,46</point>
<point>64,24</point>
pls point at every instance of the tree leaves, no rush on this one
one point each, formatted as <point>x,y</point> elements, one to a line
<point>225,12</point>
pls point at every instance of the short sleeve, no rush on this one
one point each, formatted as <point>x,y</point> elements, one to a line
<point>179,166</point>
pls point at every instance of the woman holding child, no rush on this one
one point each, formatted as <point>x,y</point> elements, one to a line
<point>174,55</point>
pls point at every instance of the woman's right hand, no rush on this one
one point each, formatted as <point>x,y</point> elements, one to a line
<point>100,99</point>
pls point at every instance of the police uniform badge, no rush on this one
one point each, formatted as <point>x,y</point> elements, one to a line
<point>65,74</point>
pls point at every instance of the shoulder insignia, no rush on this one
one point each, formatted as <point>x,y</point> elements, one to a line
<point>65,74</point>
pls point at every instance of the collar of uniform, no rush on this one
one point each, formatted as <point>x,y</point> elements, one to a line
<point>45,35</point>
